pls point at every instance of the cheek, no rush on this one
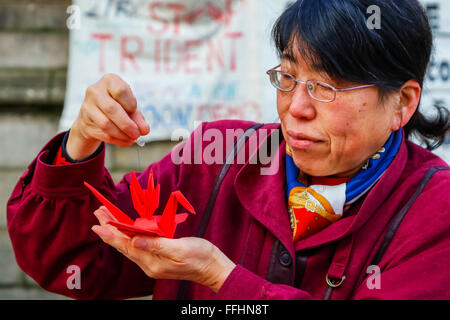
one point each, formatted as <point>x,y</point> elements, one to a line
<point>282,105</point>
<point>349,116</point>
<point>342,125</point>
<point>350,131</point>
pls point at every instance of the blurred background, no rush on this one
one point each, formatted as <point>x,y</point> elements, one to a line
<point>52,50</point>
<point>34,48</point>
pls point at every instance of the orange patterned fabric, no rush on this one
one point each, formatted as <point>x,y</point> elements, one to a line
<point>309,209</point>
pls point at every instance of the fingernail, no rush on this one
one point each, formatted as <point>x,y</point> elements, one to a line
<point>102,232</point>
<point>140,243</point>
<point>136,133</point>
<point>98,213</point>
<point>146,129</point>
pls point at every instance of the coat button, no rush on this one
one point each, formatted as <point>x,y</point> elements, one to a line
<point>285,259</point>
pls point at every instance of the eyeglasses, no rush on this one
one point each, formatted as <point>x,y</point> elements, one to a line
<point>318,90</point>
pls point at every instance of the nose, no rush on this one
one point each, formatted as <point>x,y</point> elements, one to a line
<point>302,104</point>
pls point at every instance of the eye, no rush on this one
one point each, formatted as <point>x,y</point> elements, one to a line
<point>323,87</point>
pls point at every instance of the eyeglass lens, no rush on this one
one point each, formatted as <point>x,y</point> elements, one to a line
<point>286,82</point>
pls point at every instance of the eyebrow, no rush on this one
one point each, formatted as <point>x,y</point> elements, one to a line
<point>289,57</point>
<point>314,65</point>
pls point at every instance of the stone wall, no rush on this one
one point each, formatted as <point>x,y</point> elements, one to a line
<point>33,67</point>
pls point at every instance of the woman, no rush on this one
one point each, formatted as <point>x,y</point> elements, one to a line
<point>347,97</point>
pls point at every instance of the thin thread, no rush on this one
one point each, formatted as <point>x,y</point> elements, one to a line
<point>140,142</point>
<point>139,157</point>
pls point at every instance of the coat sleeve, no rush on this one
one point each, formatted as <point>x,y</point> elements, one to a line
<point>49,219</point>
<point>50,215</point>
<point>243,284</point>
<point>415,266</point>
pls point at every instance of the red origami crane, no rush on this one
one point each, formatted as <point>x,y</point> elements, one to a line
<point>146,202</point>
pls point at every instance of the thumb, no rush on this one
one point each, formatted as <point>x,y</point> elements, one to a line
<point>151,244</point>
<point>156,245</point>
<point>139,119</point>
<point>139,243</point>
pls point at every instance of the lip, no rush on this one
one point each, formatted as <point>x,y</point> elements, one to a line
<point>299,140</point>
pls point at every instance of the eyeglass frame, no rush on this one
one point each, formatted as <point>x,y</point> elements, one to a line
<point>308,81</point>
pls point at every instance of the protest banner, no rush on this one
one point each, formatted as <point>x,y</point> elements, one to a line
<point>185,60</point>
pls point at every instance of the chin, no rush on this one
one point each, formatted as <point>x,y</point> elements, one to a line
<point>325,169</point>
<point>316,170</point>
<point>317,173</point>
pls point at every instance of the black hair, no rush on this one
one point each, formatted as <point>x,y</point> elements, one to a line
<point>335,38</point>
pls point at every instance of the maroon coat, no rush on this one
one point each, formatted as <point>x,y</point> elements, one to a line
<point>50,216</point>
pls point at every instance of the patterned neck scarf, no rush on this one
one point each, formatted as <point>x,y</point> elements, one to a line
<point>315,203</point>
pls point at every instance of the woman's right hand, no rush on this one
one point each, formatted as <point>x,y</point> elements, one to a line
<point>109,113</point>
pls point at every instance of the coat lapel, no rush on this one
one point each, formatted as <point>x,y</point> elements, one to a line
<point>263,196</point>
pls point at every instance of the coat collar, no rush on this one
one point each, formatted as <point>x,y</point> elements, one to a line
<point>264,197</point>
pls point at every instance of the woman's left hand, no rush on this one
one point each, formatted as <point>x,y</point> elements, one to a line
<point>192,259</point>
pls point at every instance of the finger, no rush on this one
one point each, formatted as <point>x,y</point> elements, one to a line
<point>107,213</point>
<point>104,216</point>
<point>119,242</point>
<point>117,114</point>
<point>104,224</point>
<point>102,232</point>
<point>120,143</point>
<point>140,243</point>
<point>139,119</point>
<point>100,218</point>
<point>158,245</point>
<point>120,91</point>
<point>104,129</point>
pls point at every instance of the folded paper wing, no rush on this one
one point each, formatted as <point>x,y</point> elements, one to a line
<point>116,212</point>
<point>142,228</point>
<point>146,202</point>
<point>168,221</point>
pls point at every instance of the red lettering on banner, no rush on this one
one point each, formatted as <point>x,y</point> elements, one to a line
<point>174,56</point>
<point>181,14</point>
<point>233,35</point>
<point>168,57</point>
<point>176,8</point>
<point>127,55</point>
<point>214,12</point>
<point>188,57</point>
<point>155,17</point>
<point>102,37</point>
<point>229,7</point>
<point>218,15</point>
<point>190,18</point>
<point>216,54</point>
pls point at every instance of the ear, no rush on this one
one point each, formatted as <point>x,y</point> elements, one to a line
<point>409,95</point>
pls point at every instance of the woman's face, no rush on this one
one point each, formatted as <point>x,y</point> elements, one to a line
<point>335,138</point>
